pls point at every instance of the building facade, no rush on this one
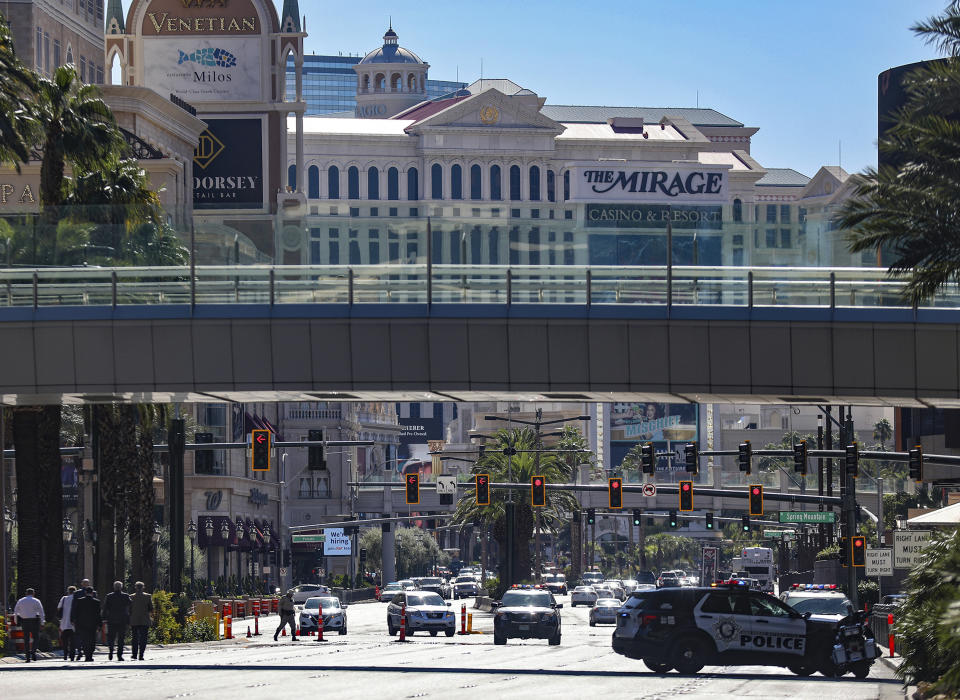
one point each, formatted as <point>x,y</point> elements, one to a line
<point>52,33</point>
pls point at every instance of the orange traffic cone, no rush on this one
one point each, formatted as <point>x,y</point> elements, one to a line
<point>284,634</point>
<point>320,625</point>
<point>403,623</point>
<point>248,632</point>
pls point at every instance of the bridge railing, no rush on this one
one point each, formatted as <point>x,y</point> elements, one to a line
<point>455,284</point>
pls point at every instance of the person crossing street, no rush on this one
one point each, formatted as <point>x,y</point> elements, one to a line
<point>141,606</point>
<point>116,611</point>
<point>86,621</point>
<point>28,613</point>
<point>287,616</point>
<point>67,640</point>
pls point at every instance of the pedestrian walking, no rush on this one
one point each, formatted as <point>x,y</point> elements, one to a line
<point>86,621</point>
<point>28,613</point>
<point>116,611</point>
<point>141,606</point>
<point>287,616</point>
<point>64,608</point>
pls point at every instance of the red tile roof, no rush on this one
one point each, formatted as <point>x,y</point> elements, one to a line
<point>423,111</point>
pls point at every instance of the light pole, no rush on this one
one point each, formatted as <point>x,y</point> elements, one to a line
<point>225,536</point>
<point>67,538</point>
<point>240,534</point>
<point>156,546</point>
<point>208,530</point>
<point>266,548</point>
<point>252,533</point>
<point>192,534</point>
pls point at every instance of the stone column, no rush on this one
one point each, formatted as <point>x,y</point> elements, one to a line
<point>389,556</point>
<point>300,173</point>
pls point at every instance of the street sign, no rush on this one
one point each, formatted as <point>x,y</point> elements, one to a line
<point>879,561</point>
<point>446,485</point>
<point>708,567</point>
<point>807,516</point>
<point>907,547</point>
<point>778,534</point>
<point>308,538</point>
<point>283,571</point>
<point>649,489</point>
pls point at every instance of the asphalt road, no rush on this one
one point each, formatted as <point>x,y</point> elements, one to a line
<point>366,663</point>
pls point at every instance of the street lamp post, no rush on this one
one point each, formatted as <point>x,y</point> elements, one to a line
<point>253,551</point>
<point>266,548</point>
<point>225,536</point>
<point>156,546</point>
<point>192,534</point>
<point>67,538</point>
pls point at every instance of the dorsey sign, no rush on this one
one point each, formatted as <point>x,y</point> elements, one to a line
<point>653,183</point>
<point>228,165</point>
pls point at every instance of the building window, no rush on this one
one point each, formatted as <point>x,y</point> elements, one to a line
<point>493,241</point>
<point>771,213</point>
<point>566,185</point>
<point>456,182</point>
<point>551,187</point>
<point>533,240</point>
<point>334,247</point>
<point>784,213</point>
<point>771,238</point>
<point>534,183</point>
<point>413,185</point>
<point>515,183</point>
<point>373,183</point>
<point>353,182</point>
<point>495,193</point>
<point>292,177</point>
<point>737,211</point>
<point>333,182</point>
<point>39,43</point>
<point>56,53</point>
<point>436,181</point>
<point>46,52</point>
<point>313,182</point>
<point>784,238</point>
<point>476,187</point>
<point>374,246</point>
<point>99,75</point>
<point>393,184</point>
<point>738,257</point>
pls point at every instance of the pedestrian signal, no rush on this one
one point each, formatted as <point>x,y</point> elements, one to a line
<point>686,495</point>
<point>538,491</point>
<point>756,499</point>
<point>615,492</point>
<point>260,440</point>
<point>744,455</point>
<point>483,489</point>
<point>413,489</point>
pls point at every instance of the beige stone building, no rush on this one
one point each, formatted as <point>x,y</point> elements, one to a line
<point>52,33</point>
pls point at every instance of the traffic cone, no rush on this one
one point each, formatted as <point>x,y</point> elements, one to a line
<point>463,618</point>
<point>320,625</point>
<point>403,623</point>
<point>284,633</point>
<point>248,632</point>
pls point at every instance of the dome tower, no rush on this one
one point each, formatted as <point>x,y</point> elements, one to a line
<point>390,79</point>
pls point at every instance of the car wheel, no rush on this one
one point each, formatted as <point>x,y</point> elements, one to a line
<point>592,623</point>
<point>498,640</point>
<point>450,632</point>
<point>689,654</point>
<point>391,630</point>
<point>554,641</point>
<point>802,670</point>
<point>862,669</point>
<point>657,668</point>
<point>343,630</point>
<point>433,633</point>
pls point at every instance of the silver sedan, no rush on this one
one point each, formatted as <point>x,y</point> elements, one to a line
<point>604,611</point>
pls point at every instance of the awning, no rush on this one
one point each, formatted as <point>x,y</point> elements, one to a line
<point>945,516</point>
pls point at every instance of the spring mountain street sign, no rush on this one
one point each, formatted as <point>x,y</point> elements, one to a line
<point>808,516</point>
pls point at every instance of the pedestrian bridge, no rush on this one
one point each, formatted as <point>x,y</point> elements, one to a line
<point>464,332</point>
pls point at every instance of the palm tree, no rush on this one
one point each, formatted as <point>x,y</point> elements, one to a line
<point>909,208</point>
<point>882,431</point>
<point>17,83</point>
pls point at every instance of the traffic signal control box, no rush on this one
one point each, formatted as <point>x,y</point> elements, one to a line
<point>413,489</point>
<point>260,441</point>
<point>483,489</point>
<point>538,491</point>
<point>615,492</point>
<point>756,499</point>
<point>686,495</point>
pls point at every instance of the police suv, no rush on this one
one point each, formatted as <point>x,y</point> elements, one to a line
<point>729,624</point>
<point>527,612</point>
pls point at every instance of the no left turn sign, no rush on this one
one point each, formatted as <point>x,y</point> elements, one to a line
<point>649,490</point>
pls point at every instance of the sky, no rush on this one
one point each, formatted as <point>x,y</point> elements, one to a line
<point>804,73</point>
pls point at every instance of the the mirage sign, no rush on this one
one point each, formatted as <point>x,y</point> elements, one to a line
<point>663,183</point>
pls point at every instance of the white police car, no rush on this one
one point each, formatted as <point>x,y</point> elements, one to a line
<point>823,601</point>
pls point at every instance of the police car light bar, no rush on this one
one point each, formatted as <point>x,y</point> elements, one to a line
<point>814,586</point>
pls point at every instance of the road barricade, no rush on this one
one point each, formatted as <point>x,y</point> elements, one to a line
<point>15,632</point>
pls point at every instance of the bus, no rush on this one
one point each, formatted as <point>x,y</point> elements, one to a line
<point>757,562</point>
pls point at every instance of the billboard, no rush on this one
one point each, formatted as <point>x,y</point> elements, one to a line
<point>204,69</point>
<point>416,434</point>
<point>667,425</point>
<point>649,182</point>
<point>228,165</point>
<point>335,543</point>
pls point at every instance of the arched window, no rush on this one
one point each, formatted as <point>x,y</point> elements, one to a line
<point>515,183</point>
<point>566,185</point>
<point>551,187</point>
<point>393,183</point>
<point>333,182</point>
<point>456,182</point>
<point>313,182</point>
<point>413,185</point>
<point>534,183</point>
<point>436,181</point>
<point>495,193</point>
<point>353,182</point>
<point>476,187</point>
<point>292,177</point>
<point>737,210</point>
<point>373,183</point>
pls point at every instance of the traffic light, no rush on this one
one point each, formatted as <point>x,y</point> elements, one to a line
<point>686,495</point>
<point>744,454</point>
<point>853,460</point>
<point>538,491</point>
<point>316,455</point>
<point>615,492</point>
<point>648,458</point>
<point>745,523</point>
<point>413,489</point>
<point>363,555</point>
<point>591,516</point>
<point>637,515</point>
<point>800,458</point>
<point>916,463</point>
<point>756,499</point>
<point>858,553</point>
<point>260,439</point>
<point>483,489</point>
<point>673,518</point>
<point>203,459</point>
<point>691,457</point>
<point>709,523</point>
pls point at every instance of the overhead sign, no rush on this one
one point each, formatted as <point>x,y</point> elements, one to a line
<point>649,182</point>
<point>653,216</point>
<point>336,544</point>
<point>879,561</point>
<point>808,516</point>
<point>779,534</point>
<point>446,485</point>
<point>908,547</point>
<point>228,165</point>
<point>204,69</point>
<point>308,538</point>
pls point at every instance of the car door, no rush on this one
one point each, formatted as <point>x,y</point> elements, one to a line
<point>776,628</point>
<point>393,609</point>
<point>726,617</point>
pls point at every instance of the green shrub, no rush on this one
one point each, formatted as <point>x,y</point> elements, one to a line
<point>829,553</point>
<point>49,638</point>
<point>3,634</point>
<point>868,592</point>
<point>198,630</point>
<point>165,629</point>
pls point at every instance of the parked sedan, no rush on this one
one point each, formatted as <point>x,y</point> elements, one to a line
<point>334,615</point>
<point>604,611</point>
<point>583,595</point>
<point>305,591</point>
<point>425,612</point>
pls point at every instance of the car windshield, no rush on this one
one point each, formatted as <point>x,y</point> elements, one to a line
<point>466,579</point>
<point>555,578</point>
<point>424,599</point>
<point>821,606</point>
<point>608,603</point>
<point>314,603</point>
<point>526,599</point>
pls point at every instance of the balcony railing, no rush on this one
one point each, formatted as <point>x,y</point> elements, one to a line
<point>313,414</point>
<point>455,284</point>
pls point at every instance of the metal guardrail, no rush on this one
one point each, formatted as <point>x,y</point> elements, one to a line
<point>813,287</point>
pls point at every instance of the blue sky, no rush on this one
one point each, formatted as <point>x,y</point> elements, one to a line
<point>805,73</point>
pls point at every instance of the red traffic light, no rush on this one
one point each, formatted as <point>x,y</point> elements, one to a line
<point>857,542</point>
<point>413,489</point>
<point>615,484</point>
<point>537,482</point>
<point>686,486</point>
<point>538,491</point>
<point>686,495</point>
<point>615,492</point>
<point>756,491</point>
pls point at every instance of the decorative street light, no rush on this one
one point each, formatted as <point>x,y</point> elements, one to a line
<point>209,529</point>
<point>67,530</point>
<point>156,546</point>
<point>7,520</point>
<point>240,535</point>
<point>192,534</point>
<point>266,543</point>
